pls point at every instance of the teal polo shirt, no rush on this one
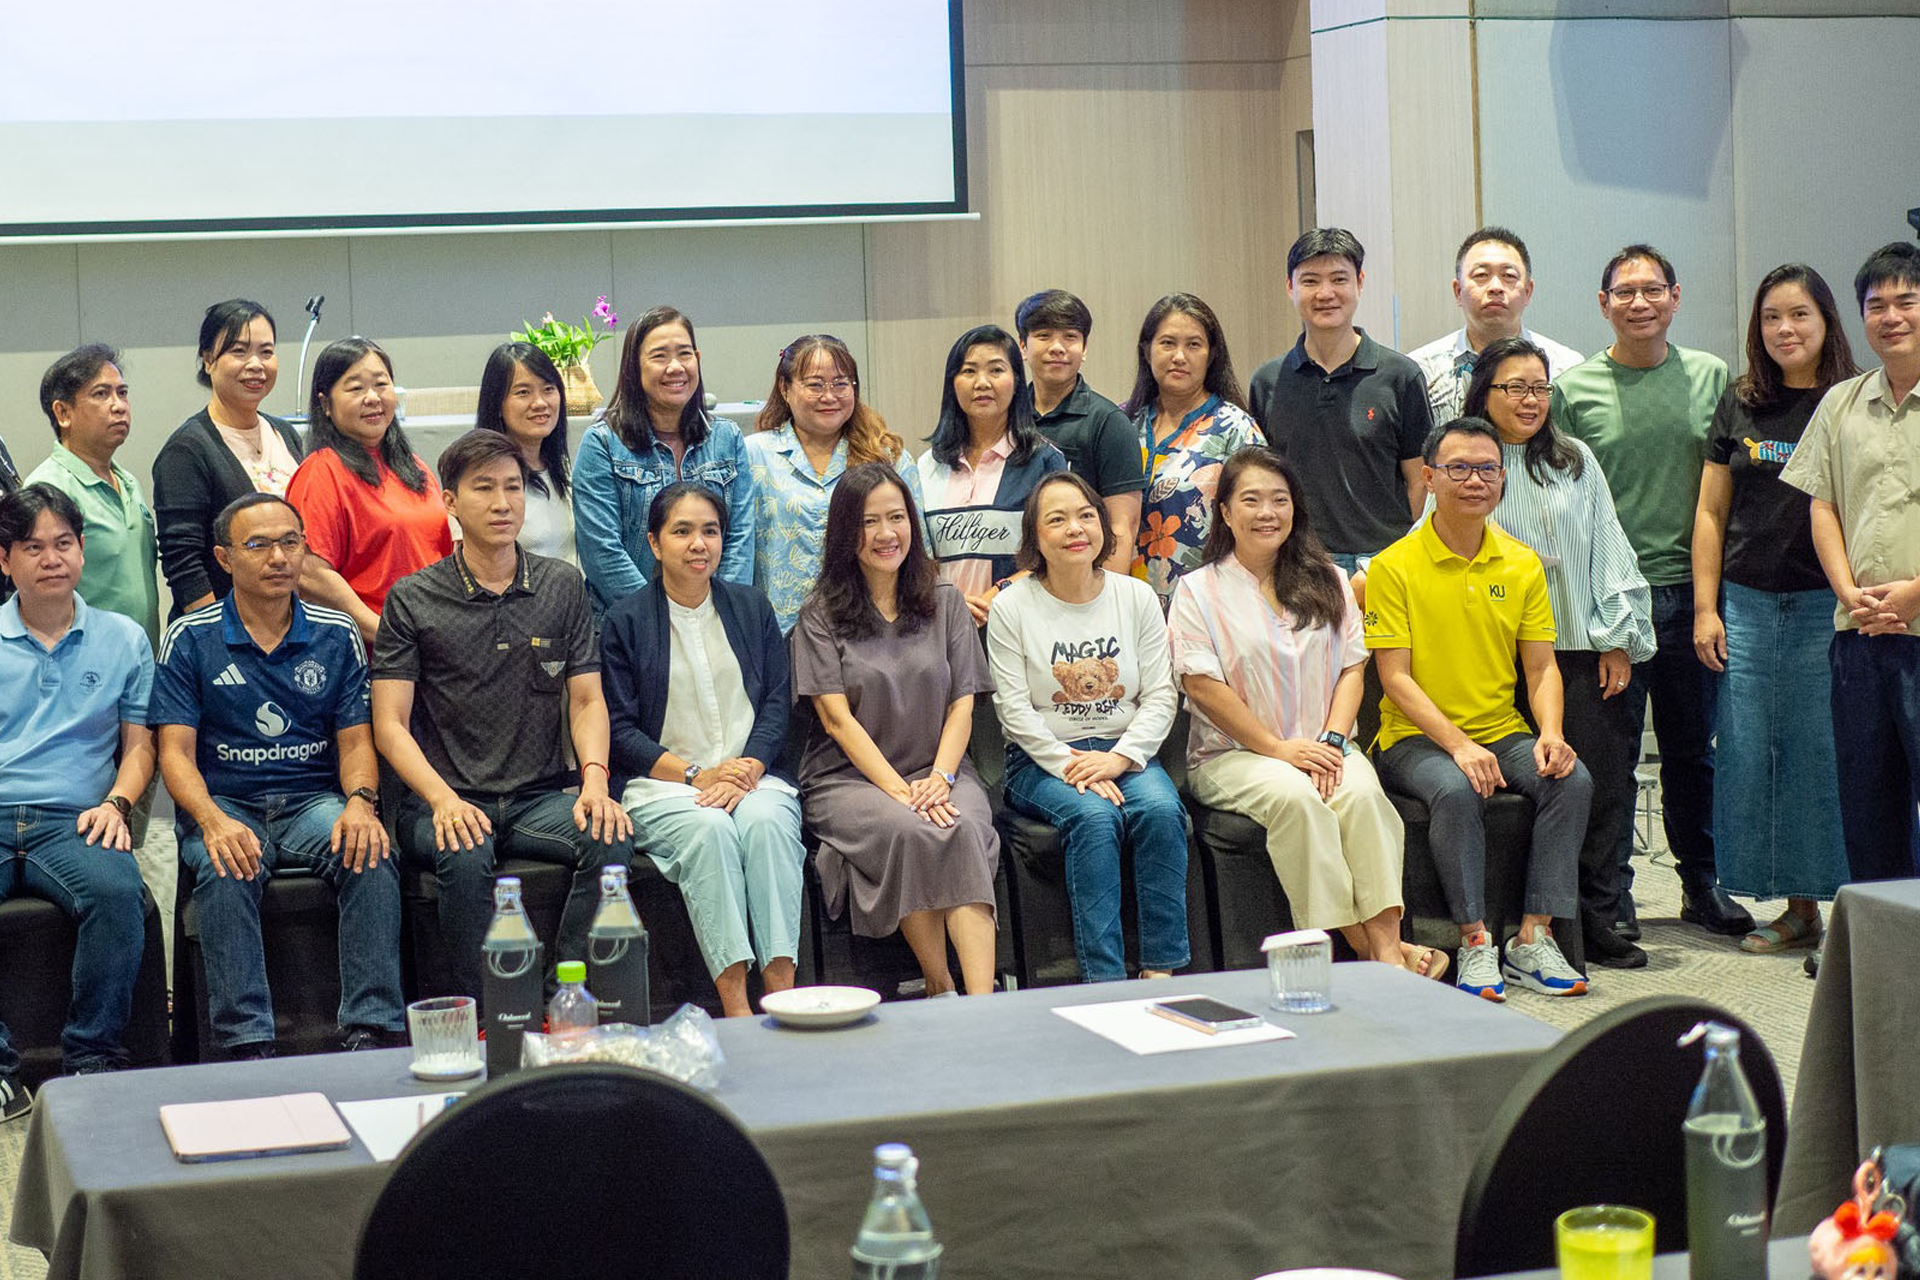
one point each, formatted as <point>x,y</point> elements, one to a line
<point>60,719</point>
<point>122,550</point>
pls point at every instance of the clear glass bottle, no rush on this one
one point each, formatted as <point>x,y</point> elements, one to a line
<point>617,953</point>
<point>1726,1138</point>
<point>510,977</point>
<point>896,1239</point>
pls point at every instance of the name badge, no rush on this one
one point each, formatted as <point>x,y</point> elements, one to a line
<point>973,533</point>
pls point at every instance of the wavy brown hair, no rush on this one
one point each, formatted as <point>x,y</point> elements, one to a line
<point>1304,579</point>
<point>866,433</point>
<point>840,593</point>
<point>1764,383</point>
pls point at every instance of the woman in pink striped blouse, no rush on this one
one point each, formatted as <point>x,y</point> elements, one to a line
<point>1267,644</point>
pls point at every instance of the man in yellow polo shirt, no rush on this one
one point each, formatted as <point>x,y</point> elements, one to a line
<point>1447,605</point>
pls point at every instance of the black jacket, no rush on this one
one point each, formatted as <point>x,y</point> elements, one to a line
<point>194,478</point>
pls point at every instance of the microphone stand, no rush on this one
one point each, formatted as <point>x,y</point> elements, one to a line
<point>313,312</point>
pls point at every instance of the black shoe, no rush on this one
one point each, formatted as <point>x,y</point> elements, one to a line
<point>257,1051</point>
<point>1627,924</point>
<point>97,1067</point>
<point>1812,963</point>
<point>1607,948</point>
<point>15,1101</point>
<point>359,1038</point>
<point>1709,907</point>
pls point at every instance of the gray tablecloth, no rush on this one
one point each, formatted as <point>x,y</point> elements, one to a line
<point>1859,1084</point>
<point>1045,1151</point>
<point>1786,1260</point>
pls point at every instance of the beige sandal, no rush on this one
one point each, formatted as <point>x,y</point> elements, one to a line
<point>1428,962</point>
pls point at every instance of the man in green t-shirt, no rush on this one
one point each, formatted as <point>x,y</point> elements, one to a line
<point>1644,406</point>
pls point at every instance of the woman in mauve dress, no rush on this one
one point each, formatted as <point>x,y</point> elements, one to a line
<point>906,832</point>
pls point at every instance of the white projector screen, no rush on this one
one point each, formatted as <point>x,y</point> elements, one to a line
<point>446,114</point>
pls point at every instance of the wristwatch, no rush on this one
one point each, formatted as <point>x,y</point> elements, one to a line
<point>1338,741</point>
<point>124,805</point>
<point>693,771</point>
<point>948,778</point>
<point>368,794</point>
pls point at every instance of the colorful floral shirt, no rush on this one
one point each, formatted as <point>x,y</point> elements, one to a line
<point>1182,470</point>
<point>790,515</point>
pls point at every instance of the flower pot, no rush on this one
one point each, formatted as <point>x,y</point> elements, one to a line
<point>576,380</point>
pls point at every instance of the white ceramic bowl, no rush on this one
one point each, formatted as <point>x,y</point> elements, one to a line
<point>820,1006</point>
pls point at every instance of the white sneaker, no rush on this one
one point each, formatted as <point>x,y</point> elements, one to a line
<point>1480,967</point>
<point>1539,966</point>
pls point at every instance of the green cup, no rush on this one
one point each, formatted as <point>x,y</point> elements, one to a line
<point>1604,1242</point>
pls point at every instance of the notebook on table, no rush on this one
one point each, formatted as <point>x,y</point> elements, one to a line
<point>247,1127</point>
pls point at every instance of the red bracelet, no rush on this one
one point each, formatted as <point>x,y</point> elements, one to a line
<point>594,764</point>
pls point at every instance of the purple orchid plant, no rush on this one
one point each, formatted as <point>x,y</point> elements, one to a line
<point>569,344</point>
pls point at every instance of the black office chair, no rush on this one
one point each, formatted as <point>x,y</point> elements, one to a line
<point>574,1171</point>
<point>1596,1120</point>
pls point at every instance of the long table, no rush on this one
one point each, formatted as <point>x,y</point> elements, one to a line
<point>1859,1081</point>
<point>1786,1260</point>
<point>1046,1151</point>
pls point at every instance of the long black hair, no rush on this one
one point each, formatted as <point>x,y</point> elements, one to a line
<point>1305,581</point>
<point>1547,449</point>
<point>840,593</point>
<point>496,380</point>
<point>1220,379</point>
<point>627,412</point>
<point>1764,383</point>
<point>221,327</point>
<point>950,434</point>
<point>328,368</point>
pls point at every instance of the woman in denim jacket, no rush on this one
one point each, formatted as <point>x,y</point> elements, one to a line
<point>655,431</point>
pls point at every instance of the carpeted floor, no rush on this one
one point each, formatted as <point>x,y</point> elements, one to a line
<point>1771,993</point>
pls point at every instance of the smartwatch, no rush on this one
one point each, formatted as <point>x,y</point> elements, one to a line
<point>693,771</point>
<point>1338,741</point>
<point>124,805</point>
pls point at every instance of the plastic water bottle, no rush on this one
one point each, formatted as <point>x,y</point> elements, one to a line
<point>1726,1165</point>
<point>511,978</point>
<point>573,1010</point>
<point>896,1239</point>
<point>617,954</point>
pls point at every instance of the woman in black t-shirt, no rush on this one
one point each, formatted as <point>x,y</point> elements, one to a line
<point>1776,806</point>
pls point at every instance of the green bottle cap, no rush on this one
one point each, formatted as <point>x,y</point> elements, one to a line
<point>572,970</point>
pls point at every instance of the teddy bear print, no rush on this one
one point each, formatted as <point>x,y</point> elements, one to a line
<point>1087,680</point>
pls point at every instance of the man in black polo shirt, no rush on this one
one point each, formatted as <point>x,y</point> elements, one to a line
<point>1351,414</point>
<point>483,662</point>
<point>1098,440</point>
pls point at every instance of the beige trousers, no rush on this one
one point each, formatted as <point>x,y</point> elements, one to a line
<point>1338,860</point>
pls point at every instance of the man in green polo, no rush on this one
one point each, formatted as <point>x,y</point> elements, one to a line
<point>85,398</point>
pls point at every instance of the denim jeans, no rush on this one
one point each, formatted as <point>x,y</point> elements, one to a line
<point>534,824</point>
<point>1457,834</point>
<point>294,832</point>
<point>1151,822</point>
<point>1876,739</point>
<point>1685,695</point>
<point>42,854</point>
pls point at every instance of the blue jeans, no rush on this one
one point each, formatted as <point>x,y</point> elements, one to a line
<point>1876,739</point>
<point>1776,794</point>
<point>1685,698</point>
<point>1092,828</point>
<point>1457,833</point>
<point>43,855</point>
<point>294,831</point>
<point>534,824</point>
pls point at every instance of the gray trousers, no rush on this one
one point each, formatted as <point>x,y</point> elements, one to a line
<point>1457,834</point>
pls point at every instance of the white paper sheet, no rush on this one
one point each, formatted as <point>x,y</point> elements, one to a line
<point>388,1124</point>
<point>1128,1024</point>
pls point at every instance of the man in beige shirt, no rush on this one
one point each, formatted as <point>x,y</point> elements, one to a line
<point>1860,459</point>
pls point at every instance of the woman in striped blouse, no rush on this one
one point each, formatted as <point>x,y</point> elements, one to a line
<point>1557,502</point>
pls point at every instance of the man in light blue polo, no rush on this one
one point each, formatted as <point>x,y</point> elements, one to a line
<point>76,682</point>
<point>260,704</point>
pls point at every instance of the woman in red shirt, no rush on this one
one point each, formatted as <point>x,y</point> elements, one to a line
<point>372,509</point>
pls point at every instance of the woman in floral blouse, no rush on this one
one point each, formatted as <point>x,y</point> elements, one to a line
<point>1192,416</point>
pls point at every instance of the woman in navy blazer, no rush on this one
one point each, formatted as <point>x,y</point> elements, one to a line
<point>698,689</point>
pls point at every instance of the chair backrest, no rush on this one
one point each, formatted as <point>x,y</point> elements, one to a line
<point>574,1171</point>
<point>1597,1120</point>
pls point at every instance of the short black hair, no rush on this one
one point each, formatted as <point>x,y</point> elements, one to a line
<point>221,327</point>
<point>1896,263</point>
<point>476,449</point>
<point>663,503</point>
<point>1326,242</point>
<point>223,523</point>
<point>1631,252</point>
<point>66,376</point>
<point>1494,235</point>
<point>1052,309</point>
<point>1463,426</point>
<point>20,511</point>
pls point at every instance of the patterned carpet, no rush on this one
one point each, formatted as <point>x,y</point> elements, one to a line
<point>1770,993</point>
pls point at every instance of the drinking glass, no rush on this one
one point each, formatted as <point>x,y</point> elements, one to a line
<point>1300,970</point>
<point>445,1031</point>
<point>1604,1242</point>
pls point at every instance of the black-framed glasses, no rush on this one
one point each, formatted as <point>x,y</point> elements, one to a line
<point>1626,293</point>
<point>1526,390</point>
<point>288,543</point>
<point>1459,472</point>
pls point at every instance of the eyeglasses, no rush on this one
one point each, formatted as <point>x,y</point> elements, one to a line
<point>1526,390</point>
<point>1459,472</point>
<point>817,387</point>
<point>290,543</point>
<point>1625,294</point>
